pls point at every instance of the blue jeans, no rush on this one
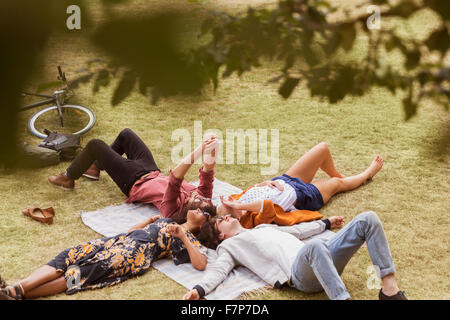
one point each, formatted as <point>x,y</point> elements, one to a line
<point>320,263</point>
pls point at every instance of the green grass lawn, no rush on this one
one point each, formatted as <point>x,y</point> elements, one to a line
<point>410,194</point>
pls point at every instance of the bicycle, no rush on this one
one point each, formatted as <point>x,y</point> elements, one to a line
<point>71,116</point>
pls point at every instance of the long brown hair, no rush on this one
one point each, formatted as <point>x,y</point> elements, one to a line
<point>181,217</point>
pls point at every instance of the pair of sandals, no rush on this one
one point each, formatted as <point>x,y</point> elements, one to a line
<point>41,215</point>
<point>7,294</point>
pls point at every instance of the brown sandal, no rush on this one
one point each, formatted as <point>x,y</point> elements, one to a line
<point>41,215</point>
<point>6,293</point>
<point>3,283</point>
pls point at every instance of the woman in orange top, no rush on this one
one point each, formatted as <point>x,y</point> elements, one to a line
<point>295,197</point>
<point>265,211</point>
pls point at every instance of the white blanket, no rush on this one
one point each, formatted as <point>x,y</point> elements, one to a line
<point>117,219</point>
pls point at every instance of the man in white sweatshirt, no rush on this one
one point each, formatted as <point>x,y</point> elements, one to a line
<point>278,255</point>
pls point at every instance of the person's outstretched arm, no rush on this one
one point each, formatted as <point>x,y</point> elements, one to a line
<point>170,204</point>
<point>214,276</point>
<point>145,223</point>
<point>265,209</point>
<point>206,173</point>
<point>183,167</point>
<point>198,259</point>
<point>305,230</point>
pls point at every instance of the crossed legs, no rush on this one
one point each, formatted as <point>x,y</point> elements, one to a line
<point>124,171</point>
<point>319,157</point>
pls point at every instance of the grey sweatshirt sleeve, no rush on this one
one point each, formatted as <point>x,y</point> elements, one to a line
<point>216,273</point>
<point>305,230</point>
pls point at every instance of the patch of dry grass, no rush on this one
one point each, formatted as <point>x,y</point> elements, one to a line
<point>410,194</point>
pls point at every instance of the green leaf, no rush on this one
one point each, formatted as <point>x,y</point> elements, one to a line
<point>423,77</point>
<point>150,46</point>
<point>290,60</point>
<point>112,2</point>
<point>102,80</point>
<point>409,107</point>
<point>144,84</point>
<point>276,78</point>
<point>47,85</point>
<point>83,79</point>
<point>332,44</point>
<point>228,71</point>
<point>156,95</point>
<point>439,40</point>
<point>412,59</point>
<point>404,9</point>
<point>288,87</point>
<point>442,7</point>
<point>124,88</point>
<point>342,84</point>
<point>206,25</point>
<point>347,34</point>
<point>94,61</point>
<point>395,42</point>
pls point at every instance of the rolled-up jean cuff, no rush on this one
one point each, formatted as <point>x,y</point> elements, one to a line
<point>343,296</point>
<point>386,272</point>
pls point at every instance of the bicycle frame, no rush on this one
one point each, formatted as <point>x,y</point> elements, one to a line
<point>55,98</point>
<point>51,99</point>
<point>58,101</point>
<point>58,97</point>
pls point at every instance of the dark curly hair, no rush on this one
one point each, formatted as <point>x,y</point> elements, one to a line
<point>208,235</point>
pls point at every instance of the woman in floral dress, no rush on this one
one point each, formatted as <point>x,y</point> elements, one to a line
<point>108,261</point>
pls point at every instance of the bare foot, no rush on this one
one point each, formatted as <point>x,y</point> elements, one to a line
<point>374,167</point>
<point>336,221</point>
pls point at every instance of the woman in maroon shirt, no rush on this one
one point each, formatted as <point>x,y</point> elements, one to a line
<point>139,177</point>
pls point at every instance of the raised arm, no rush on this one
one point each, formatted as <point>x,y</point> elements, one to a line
<point>198,259</point>
<point>171,202</point>
<point>183,167</point>
<point>206,173</point>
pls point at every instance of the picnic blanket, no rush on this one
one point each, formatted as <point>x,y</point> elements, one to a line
<point>120,218</point>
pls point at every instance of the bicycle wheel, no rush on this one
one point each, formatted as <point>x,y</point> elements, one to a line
<point>77,120</point>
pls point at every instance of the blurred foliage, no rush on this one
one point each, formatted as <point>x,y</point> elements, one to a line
<point>24,29</point>
<point>298,33</point>
<point>145,51</point>
<point>146,47</point>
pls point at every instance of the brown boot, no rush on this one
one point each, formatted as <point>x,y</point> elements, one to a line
<point>62,181</point>
<point>92,172</point>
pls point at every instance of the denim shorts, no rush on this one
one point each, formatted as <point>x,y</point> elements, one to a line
<point>308,196</point>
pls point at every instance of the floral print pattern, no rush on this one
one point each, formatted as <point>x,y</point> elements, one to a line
<point>108,261</point>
